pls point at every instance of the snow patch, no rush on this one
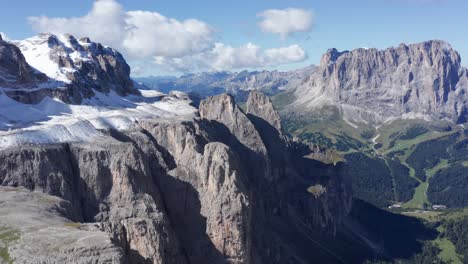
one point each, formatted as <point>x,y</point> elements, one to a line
<point>38,54</point>
<point>43,51</point>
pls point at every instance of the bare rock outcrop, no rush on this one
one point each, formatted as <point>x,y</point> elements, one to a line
<point>258,104</point>
<point>204,193</point>
<point>423,80</point>
<point>108,183</point>
<point>222,108</point>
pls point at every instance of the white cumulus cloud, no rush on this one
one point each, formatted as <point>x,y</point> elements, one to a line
<point>284,22</point>
<point>138,34</point>
<point>168,43</point>
<point>225,57</point>
<point>153,34</point>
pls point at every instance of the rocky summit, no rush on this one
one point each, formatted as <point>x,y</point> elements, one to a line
<point>415,81</point>
<point>423,80</point>
<point>69,69</point>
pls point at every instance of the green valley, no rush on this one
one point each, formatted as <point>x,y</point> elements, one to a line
<point>408,167</point>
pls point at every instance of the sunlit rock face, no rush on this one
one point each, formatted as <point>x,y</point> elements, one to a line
<point>423,80</point>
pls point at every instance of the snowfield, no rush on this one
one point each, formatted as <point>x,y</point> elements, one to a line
<point>53,121</point>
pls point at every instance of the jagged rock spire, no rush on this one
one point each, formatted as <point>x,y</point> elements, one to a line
<point>260,105</point>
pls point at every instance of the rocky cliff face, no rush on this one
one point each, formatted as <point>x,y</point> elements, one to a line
<point>75,69</point>
<point>424,80</point>
<point>227,187</point>
<point>259,105</point>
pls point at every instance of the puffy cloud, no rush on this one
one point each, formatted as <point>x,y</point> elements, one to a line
<point>138,34</point>
<point>152,41</point>
<point>153,34</point>
<point>104,23</point>
<point>225,57</point>
<point>284,22</point>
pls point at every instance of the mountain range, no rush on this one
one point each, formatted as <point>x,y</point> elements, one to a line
<point>238,84</point>
<point>416,81</point>
<point>98,168</point>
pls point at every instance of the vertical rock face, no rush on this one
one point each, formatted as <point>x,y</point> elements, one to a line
<point>258,104</point>
<point>416,80</point>
<point>223,109</point>
<point>204,193</point>
<point>225,188</point>
<point>276,179</point>
<point>106,183</point>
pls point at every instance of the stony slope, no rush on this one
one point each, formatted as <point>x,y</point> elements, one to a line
<point>34,226</point>
<point>423,80</point>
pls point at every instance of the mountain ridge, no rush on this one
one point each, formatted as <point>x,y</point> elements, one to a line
<point>238,84</point>
<point>74,69</point>
<point>422,80</point>
<point>60,89</point>
<point>411,81</point>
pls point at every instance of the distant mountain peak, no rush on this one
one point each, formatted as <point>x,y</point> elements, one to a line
<point>331,56</point>
<point>416,80</point>
<point>75,68</point>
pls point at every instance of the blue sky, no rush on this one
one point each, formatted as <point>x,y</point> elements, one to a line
<point>336,23</point>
